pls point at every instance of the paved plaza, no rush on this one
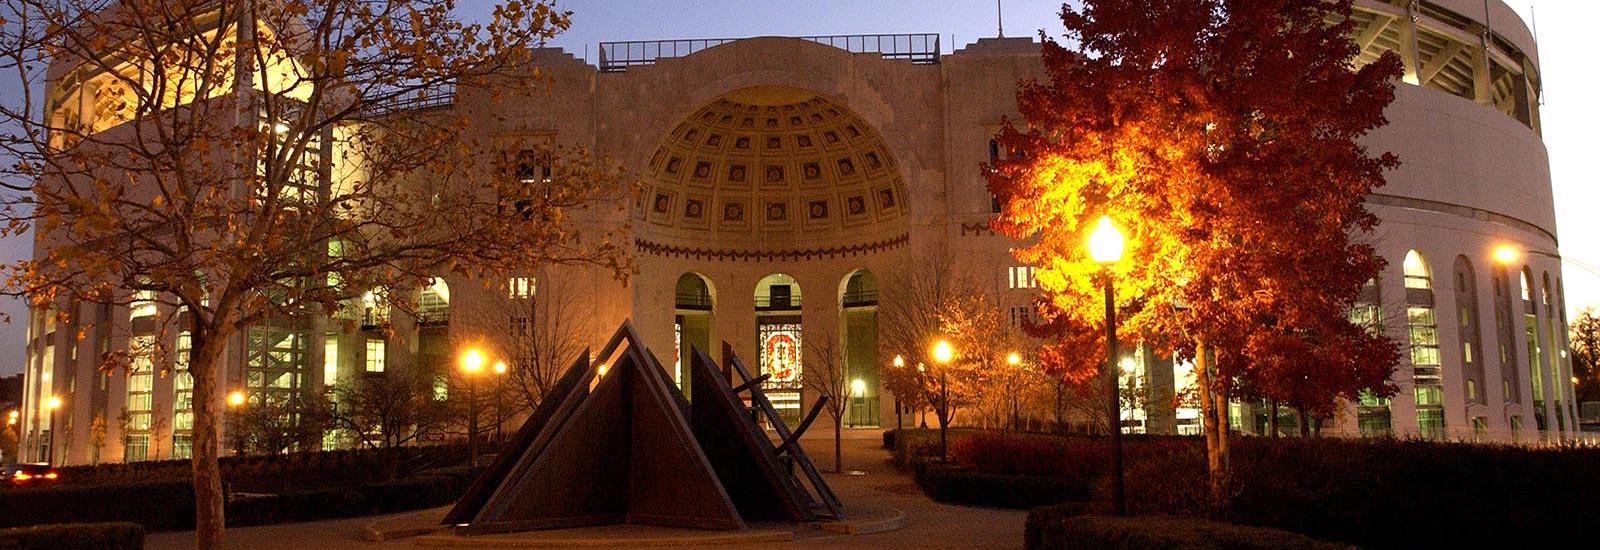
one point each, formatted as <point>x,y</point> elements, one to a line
<point>928,525</point>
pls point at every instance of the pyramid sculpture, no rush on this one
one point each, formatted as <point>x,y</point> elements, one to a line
<point>616,442</point>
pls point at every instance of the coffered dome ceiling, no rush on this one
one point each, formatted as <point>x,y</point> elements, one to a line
<point>770,162</point>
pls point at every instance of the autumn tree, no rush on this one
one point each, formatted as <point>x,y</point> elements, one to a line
<point>250,161</point>
<point>1584,342</point>
<point>1223,138</point>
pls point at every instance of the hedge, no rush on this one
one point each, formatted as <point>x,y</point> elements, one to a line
<point>75,536</point>
<point>279,473</point>
<point>169,505</point>
<point>955,485</point>
<point>1052,528</point>
<point>157,506</point>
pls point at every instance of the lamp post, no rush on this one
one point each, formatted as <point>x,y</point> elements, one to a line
<point>942,354</point>
<point>53,403</point>
<point>899,422</point>
<point>1105,246</point>
<point>500,369</point>
<point>471,365</point>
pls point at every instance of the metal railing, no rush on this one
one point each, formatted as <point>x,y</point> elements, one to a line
<point>443,95</point>
<point>921,48</point>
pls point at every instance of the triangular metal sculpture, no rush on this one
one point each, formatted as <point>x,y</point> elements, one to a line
<point>616,442</point>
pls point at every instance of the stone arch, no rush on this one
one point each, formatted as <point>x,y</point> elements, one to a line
<point>858,321</point>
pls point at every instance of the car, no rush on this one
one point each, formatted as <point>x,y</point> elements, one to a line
<point>30,473</point>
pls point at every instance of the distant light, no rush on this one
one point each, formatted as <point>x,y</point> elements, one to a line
<point>54,402</point>
<point>236,398</point>
<point>899,361</point>
<point>1105,242</point>
<point>604,368</point>
<point>1506,254</point>
<point>1128,364</point>
<point>280,128</point>
<point>1014,358</point>
<point>499,367</point>
<point>858,387</point>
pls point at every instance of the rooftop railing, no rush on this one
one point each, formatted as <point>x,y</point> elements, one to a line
<point>917,48</point>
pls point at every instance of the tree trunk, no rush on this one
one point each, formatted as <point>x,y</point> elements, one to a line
<point>1274,422</point>
<point>1214,422</point>
<point>838,455</point>
<point>206,443</point>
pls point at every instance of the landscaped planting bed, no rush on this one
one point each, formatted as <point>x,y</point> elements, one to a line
<point>1372,493</point>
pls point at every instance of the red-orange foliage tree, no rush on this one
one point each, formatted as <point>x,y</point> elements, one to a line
<point>1222,136</point>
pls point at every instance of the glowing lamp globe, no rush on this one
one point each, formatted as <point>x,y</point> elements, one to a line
<point>236,398</point>
<point>1506,254</point>
<point>472,361</point>
<point>943,352</point>
<point>1014,359</point>
<point>1105,242</point>
<point>500,367</point>
<point>54,402</point>
<point>899,361</point>
<point>858,387</point>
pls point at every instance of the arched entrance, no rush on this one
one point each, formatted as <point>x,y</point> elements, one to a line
<point>858,312</point>
<point>779,333</point>
<point>693,307</point>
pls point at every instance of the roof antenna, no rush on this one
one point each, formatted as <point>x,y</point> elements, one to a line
<point>999,19</point>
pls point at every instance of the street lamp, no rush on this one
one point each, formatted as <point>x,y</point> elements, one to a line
<point>499,370</point>
<point>53,403</point>
<point>899,422</point>
<point>942,354</point>
<point>1105,246</point>
<point>236,398</point>
<point>1013,359</point>
<point>472,364</point>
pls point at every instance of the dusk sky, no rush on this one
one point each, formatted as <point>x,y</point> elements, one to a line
<point>1564,29</point>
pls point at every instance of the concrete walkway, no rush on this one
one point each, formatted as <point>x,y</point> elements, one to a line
<point>928,525</point>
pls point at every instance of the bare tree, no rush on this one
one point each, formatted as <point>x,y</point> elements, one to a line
<point>389,410</point>
<point>281,426</point>
<point>825,374</point>
<point>908,321</point>
<point>546,330</point>
<point>158,430</point>
<point>268,160</point>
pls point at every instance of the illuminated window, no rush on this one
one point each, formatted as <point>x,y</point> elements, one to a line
<point>182,399</point>
<point>330,360</point>
<point>1424,336</point>
<point>1416,269</point>
<point>521,287</point>
<point>1021,277</point>
<point>136,415</point>
<point>375,354</point>
<point>143,304</point>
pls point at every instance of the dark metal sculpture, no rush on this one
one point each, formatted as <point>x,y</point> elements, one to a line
<point>616,442</point>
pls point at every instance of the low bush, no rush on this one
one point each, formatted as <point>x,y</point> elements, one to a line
<point>157,506</point>
<point>956,485</point>
<point>1053,528</point>
<point>169,505</point>
<point>74,536</point>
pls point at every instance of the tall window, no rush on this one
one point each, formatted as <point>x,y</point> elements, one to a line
<point>1422,330</point>
<point>1530,332</point>
<point>330,359</point>
<point>1372,412</point>
<point>182,400</point>
<point>994,159</point>
<point>376,347</point>
<point>1467,329</point>
<point>136,414</point>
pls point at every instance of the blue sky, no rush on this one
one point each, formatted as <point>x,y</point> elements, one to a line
<point>1570,111</point>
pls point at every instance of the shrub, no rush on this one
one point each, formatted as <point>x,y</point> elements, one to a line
<point>955,485</point>
<point>1383,493</point>
<point>1031,455</point>
<point>160,505</point>
<point>75,536</point>
<point>1163,533</point>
